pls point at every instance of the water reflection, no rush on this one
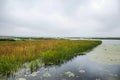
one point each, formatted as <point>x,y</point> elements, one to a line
<point>100,64</point>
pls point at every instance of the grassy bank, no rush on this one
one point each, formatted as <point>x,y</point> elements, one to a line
<point>15,53</point>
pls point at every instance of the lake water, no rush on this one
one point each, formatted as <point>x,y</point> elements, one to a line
<point>102,63</point>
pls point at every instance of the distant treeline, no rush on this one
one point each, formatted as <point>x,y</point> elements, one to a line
<point>107,38</point>
<point>41,38</point>
<point>25,39</point>
<point>7,40</point>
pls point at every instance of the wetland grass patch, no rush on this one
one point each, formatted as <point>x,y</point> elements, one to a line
<point>13,54</point>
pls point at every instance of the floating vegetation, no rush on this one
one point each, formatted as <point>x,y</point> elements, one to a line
<point>33,74</point>
<point>70,74</point>
<point>46,69</point>
<point>98,79</point>
<point>115,75</point>
<point>21,79</point>
<point>46,74</point>
<point>82,71</point>
<point>13,54</point>
<point>63,79</point>
<point>107,71</point>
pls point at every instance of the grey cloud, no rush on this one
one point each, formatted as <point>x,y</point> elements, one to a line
<point>60,18</point>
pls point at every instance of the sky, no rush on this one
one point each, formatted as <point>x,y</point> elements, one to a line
<point>60,18</point>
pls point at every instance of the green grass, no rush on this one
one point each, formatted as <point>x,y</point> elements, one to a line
<point>13,54</point>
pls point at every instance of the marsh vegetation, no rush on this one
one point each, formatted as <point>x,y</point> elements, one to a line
<point>13,54</point>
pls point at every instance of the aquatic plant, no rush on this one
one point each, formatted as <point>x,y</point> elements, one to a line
<point>34,65</point>
<point>70,74</point>
<point>82,71</point>
<point>21,79</point>
<point>46,74</point>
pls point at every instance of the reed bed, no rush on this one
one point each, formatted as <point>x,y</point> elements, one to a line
<point>13,54</point>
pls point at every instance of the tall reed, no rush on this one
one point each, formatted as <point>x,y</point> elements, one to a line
<point>15,53</point>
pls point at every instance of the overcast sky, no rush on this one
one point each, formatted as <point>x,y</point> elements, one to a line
<point>60,18</point>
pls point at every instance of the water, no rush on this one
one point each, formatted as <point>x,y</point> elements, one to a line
<point>102,63</point>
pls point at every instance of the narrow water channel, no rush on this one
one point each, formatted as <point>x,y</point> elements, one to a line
<point>102,63</point>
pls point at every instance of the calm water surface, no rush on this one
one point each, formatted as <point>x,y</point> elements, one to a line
<point>102,63</point>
